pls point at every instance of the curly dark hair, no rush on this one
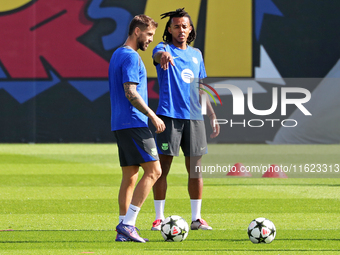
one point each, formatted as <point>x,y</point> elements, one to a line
<point>167,37</point>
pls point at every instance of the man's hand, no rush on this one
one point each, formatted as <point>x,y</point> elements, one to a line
<point>164,58</point>
<point>158,123</point>
<point>214,125</point>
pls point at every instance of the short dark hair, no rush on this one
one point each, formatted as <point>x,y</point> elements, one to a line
<point>167,37</point>
<point>143,22</point>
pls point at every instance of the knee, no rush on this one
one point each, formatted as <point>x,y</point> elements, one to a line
<point>157,173</point>
<point>152,170</point>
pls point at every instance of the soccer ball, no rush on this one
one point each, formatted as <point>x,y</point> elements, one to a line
<point>261,230</point>
<point>174,229</point>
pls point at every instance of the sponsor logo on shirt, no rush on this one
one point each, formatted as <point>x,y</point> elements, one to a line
<point>187,75</point>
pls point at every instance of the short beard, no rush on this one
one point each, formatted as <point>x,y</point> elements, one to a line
<point>140,45</point>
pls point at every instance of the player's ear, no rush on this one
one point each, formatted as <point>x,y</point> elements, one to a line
<point>137,31</point>
<point>169,30</point>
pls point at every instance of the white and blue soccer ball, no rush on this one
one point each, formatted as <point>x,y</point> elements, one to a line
<point>261,230</point>
<point>174,229</point>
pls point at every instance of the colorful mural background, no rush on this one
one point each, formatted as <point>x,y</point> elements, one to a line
<point>54,57</point>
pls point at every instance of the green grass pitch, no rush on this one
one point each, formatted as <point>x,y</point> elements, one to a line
<point>62,199</point>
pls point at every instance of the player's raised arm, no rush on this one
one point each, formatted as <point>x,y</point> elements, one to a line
<point>163,58</point>
<point>136,100</point>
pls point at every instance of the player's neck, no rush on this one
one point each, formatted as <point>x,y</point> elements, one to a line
<point>180,45</point>
<point>131,43</point>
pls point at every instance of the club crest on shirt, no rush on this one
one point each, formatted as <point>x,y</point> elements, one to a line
<point>187,75</point>
<point>195,60</point>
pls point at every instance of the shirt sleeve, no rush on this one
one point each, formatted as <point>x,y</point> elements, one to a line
<point>130,69</point>
<point>159,47</point>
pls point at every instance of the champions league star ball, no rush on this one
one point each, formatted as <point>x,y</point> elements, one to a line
<point>174,229</point>
<point>261,230</point>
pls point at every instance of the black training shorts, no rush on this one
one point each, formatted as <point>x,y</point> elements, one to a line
<point>135,146</point>
<point>187,134</point>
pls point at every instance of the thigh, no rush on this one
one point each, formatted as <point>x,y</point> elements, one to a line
<point>168,142</point>
<point>136,146</point>
<point>194,142</point>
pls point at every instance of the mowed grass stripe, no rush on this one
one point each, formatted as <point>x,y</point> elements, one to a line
<point>6,158</point>
<point>50,180</point>
<point>123,249</point>
<point>56,169</point>
<point>219,221</point>
<point>59,149</point>
<point>61,180</point>
<point>113,177</point>
<point>197,242</point>
<point>71,188</point>
<point>84,190</point>
<point>36,159</point>
<point>181,205</point>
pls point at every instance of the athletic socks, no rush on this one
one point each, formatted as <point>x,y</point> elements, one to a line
<point>195,209</point>
<point>159,208</point>
<point>131,215</point>
<point>121,218</point>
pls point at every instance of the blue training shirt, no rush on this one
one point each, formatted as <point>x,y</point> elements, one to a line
<point>126,66</point>
<point>178,85</point>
